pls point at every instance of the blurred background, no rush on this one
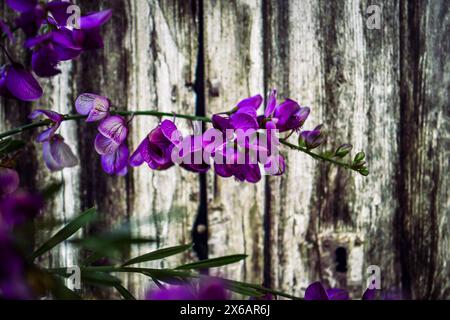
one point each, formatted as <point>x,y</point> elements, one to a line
<point>381,85</point>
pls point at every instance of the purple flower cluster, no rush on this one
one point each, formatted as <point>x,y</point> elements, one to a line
<point>239,145</point>
<point>53,36</point>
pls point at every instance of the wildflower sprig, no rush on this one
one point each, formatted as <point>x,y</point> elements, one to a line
<point>336,158</point>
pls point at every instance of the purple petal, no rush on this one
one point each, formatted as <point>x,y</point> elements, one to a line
<point>223,170</point>
<point>252,173</point>
<point>58,9</point>
<point>315,291</point>
<point>212,290</point>
<point>100,109</point>
<point>271,104</point>
<point>85,103</point>
<point>47,134</point>
<point>49,161</point>
<point>21,5</point>
<point>114,127</point>
<point>183,292</point>
<point>243,121</point>
<point>337,294</point>
<point>44,62</point>
<point>95,20</point>
<point>35,41</point>
<point>64,44</point>
<point>22,84</point>
<point>52,115</point>
<point>104,145</point>
<point>116,163</point>
<point>9,181</point>
<point>62,153</point>
<point>170,131</point>
<point>253,102</point>
<point>141,154</point>
<point>284,112</point>
<point>221,123</point>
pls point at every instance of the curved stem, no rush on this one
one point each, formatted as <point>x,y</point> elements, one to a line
<point>169,114</point>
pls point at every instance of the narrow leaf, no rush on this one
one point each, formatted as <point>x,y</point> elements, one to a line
<point>124,292</point>
<point>66,232</point>
<point>212,263</point>
<point>159,254</point>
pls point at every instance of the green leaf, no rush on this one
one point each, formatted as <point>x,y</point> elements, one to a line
<point>343,150</point>
<point>359,157</point>
<point>66,232</point>
<point>159,254</point>
<point>364,171</point>
<point>212,263</point>
<point>124,292</point>
<point>9,146</point>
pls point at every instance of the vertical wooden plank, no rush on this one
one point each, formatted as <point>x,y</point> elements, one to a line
<point>423,216</point>
<point>163,40</point>
<point>234,70</point>
<point>350,84</point>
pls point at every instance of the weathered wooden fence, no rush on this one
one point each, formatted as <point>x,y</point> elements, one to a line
<point>384,90</point>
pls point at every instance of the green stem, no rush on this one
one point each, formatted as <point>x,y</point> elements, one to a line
<point>168,114</point>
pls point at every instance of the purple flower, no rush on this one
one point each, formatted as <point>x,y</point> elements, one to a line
<point>288,115</point>
<point>312,139</point>
<point>16,81</point>
<point>94,106</point>
<point>55,119</point>
<point>156,148</point>
<point>316,291</point>
<point>32,15</point>
<point>57,154</point>
<point>9,181</point>
<point>205,290</point>
<point>19,207</point>
<point>110,144</point>
<point>12,270</point>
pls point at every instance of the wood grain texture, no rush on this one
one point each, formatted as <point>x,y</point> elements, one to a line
<point>234,71</point>
<point>383,90</point>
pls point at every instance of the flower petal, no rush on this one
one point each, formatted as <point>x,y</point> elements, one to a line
<point>95,20</point>
<point>140,154</point>
<point>337,294</point>
<point>271,104</point>
<point>21,5</point>
<point>44,62</point>
<point>58,9</point>
<point>52,115</point>
<point>114,127</point>
<point>22,84</point>
<point>253,102</point>
<point>104,145</point>
<point>62,154</point>
<point>116,163</point>
<point>170,131</point>
<point>315,291</point>
<point>243,121</point>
